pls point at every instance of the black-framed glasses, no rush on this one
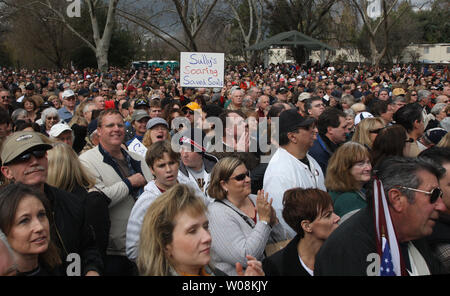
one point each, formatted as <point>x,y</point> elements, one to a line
<point>25,157</point>
<point>409,140</point>
<point>189,111</point>
<point>414,95</point>
<point>434,194</point>
<point>241,177</point>
<point>376,131</point>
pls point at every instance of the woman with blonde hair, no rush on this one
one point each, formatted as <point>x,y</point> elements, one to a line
<point>175,238</point>
<point>241,223</point>
<point>349,169</point>
<point>445,141</point>
<point>367,130</point>
<point>55,101</point>
<point>66,172</point>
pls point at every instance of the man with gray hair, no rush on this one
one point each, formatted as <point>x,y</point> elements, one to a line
<point>442,99</point>
<point>237,97</point>
<point>262,106</point>
<point>412,202</point>
<point>436,115</point>
<point>424,99</point>
<point>8,266</point>
<point>87,111</point>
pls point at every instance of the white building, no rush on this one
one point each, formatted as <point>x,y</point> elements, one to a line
<point>426,53</point>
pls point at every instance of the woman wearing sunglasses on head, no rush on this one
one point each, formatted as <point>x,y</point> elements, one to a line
<point>241,224</point>
<point>367,130</point>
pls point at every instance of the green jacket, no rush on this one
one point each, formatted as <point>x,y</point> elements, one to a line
<point>345,202</point>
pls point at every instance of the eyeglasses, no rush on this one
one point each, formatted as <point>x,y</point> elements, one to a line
<point>27,156</point>
<point>376,131</point>
<point>4,97</point>
<point>241,177</point>
<point>414,95</point>
<point>410,140</point>
<point>52,118</point>
<point>434,194</point>
<point>191,112</point>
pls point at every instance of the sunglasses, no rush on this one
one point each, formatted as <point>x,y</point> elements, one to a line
<point>52,118</point>
<point>434,194</point>
<point>27,156</point>
<point>189,112</point>
<point>241,177</point>
<point>413,94</point>
<point>376,131</point>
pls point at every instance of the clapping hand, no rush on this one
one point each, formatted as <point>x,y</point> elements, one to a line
<point>254,267</point>
<point>264,207</point>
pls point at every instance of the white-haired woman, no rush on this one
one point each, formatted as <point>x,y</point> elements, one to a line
<point>49,118</point>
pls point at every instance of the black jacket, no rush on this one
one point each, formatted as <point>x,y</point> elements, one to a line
<point>97,215</point>
<point>285,262</point>
<point>346,250</point>
<point>70,230</point>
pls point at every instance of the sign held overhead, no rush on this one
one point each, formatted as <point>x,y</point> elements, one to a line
<point>201,69</point>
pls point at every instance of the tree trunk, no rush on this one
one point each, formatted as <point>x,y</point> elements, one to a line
<point>375,55</point>
<point>102,59</point>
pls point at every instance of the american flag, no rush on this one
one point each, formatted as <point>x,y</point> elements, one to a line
<point>387,245</point>
<point>386,265</point>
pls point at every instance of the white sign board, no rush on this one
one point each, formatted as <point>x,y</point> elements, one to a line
<point>137,147</point>
<point>201,69</point>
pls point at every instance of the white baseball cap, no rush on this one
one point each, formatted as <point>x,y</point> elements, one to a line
<point>68,93</point>
<point>362,116</point>
<point>58,129</point>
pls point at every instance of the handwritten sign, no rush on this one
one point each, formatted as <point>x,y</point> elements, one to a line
<point>137,147</point>
<point>201,69</point>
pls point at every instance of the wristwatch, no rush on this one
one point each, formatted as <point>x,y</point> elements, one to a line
<point>265,222</point>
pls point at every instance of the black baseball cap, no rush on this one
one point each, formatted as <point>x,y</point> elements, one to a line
<point>290,120</point>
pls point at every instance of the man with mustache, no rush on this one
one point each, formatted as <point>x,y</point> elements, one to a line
<point>24,160</point>
<point>121,175</point>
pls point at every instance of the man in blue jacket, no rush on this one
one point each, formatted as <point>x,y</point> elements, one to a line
<point>332,126</point>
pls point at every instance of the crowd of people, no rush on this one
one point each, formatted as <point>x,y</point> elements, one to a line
<point>286,170</point>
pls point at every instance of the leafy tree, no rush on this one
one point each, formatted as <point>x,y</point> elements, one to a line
<point>434,23</point>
